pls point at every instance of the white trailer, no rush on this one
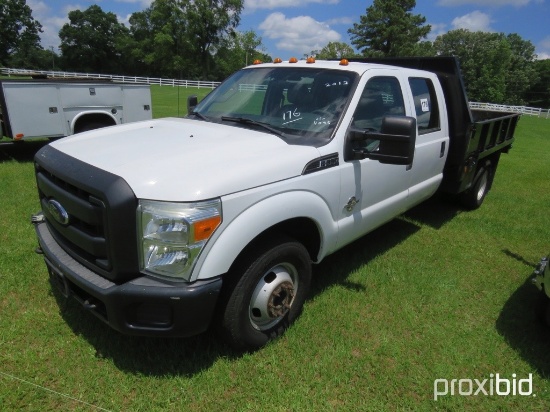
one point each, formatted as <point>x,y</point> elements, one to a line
<point>53,108</point>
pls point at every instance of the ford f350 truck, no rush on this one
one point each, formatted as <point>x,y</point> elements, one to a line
<point>169,226</point>
<point>53,108</point>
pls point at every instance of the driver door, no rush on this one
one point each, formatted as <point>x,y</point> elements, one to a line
<point>373,193</point>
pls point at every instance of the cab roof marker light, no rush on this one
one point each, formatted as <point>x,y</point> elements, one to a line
<point>310,60</point>
<point>257,61</point>
<point>293,60</point>
<point>344,62</point>
<point>277,60</point>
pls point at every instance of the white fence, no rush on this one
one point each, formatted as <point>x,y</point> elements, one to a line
<point>127,79</point>
<point>531,111</point>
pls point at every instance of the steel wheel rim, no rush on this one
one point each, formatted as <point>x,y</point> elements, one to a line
<point>273,296</point>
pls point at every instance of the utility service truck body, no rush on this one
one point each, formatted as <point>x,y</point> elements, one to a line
<point>53,108</point>
<point>168,226</point>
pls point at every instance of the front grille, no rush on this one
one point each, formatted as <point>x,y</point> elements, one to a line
<point>84,235</point>
<point>100,232</point>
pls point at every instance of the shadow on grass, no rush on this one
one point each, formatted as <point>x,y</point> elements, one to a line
<point>436,211</point>
<point>143,355</point>
<point>189,356</point>
<point>20,151</point>
<point>519,325</point>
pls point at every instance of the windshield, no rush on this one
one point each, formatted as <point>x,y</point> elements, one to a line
<point>302,106</point>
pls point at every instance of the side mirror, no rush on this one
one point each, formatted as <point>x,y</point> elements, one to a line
<point>393,145</point>
<point>192,102</point>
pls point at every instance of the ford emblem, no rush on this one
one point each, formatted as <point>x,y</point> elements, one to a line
<point>58,212</point>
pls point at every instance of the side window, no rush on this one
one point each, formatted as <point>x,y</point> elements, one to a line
<point>381,97</point>
<point>425,105</point>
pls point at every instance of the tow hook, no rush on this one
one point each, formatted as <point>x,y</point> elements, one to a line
<point>38,218</point>
<point>89,304</point>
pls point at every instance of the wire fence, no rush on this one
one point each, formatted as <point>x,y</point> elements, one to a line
<point>531,111</point>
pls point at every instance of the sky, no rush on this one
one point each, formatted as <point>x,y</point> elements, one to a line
<point>296,27</point>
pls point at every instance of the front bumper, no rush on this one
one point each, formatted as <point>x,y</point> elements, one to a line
<point>541,276</point>
<point>143,306</point>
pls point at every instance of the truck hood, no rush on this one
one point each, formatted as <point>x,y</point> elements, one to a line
<point>186,160</point>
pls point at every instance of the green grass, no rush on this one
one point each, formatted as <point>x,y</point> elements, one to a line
<point>436,293</point>
<point>171,101</point>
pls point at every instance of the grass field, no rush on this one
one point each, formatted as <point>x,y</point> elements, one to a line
<point>439,293</point>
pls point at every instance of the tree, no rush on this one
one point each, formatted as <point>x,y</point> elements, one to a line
<point>496,68</point>
<point>484,59</point>
<point>92,41</point>
<point>538,95</point>
<point>179,37</point>
<point>389,29</point>
<point>521,73</point>
<point>335,50</point>
<point>35,58</point>
<point>159,39</point>
<point>237,51</point>
<point>208,22</point>
<point>18,29</point>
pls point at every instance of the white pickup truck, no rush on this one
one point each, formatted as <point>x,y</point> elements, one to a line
<point>53,107</point>
<point>169,226</point>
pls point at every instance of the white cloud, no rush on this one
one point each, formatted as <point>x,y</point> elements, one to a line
<point>543,49</point>
<point>50,24</point>
<point>474,21</point>
<point>347,21</point>
<point>299,35</point>
<point>250,5</point>
<point>437,30</point>
<point>144,3</point>
<point>493,3</point>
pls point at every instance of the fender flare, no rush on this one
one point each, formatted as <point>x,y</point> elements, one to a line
<point>221,251</point>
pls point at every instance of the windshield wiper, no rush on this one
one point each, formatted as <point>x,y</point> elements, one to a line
<point>244,120</point>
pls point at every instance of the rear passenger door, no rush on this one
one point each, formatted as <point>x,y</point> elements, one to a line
<point>432,142</point>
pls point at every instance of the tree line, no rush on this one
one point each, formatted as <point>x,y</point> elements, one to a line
<point>199,39</point>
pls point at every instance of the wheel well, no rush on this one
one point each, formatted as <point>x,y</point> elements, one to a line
<point>96,120</point>
<point>302,229</point>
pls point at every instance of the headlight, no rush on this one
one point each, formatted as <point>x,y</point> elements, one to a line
<point>171,235</point>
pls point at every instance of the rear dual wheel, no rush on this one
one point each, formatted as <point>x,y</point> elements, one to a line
<point>474,196</point>
<point>265,294</point>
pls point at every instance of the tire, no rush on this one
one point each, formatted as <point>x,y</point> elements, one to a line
<point>473,197</point>
<point>265,294</point>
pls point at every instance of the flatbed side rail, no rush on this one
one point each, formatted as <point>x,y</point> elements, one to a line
<point>490,135</point>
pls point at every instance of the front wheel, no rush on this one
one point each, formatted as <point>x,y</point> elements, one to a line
<point>266,294</point>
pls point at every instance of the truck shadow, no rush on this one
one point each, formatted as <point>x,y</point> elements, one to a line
<point>520,326</point>
<point>189,356</point>
<point>436,211</point>
<point>20,151</point>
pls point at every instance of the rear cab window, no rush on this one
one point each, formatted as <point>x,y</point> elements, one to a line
<point>425,105</point>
